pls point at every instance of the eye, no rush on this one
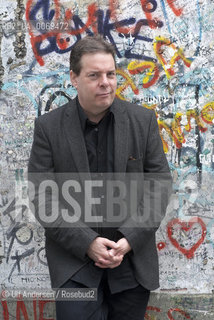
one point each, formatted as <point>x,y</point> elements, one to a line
<point>111,74</point>
<point>92,76</point>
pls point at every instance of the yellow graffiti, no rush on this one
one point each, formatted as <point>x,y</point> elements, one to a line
<point>128,82</point>
<point>207,114</point>
<point>150,106</point>
<point>177,130</point>
<point>164,126</point>
<point>152,73</point>
<point>174,129</point>
<point>194,114</point>
<point>150,68</point>
<point>178,54</point>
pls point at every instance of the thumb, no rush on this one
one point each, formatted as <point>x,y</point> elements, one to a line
<point>112,252</point>
<point>111,244</point>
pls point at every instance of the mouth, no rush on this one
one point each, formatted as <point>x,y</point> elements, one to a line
<point>104,94</point>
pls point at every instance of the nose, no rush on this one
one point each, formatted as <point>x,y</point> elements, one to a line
<point>104,80</point>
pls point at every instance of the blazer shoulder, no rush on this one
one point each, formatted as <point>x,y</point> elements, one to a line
<point>135,110</point>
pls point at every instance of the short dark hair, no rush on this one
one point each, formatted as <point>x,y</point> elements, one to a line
<point>89,44</point>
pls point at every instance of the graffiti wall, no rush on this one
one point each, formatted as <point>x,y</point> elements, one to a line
<point>165,54</point>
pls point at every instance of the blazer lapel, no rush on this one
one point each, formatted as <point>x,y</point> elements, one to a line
<point>75,138</point>
<point>121,129</point>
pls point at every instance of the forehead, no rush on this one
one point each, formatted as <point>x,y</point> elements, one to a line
<point>97,61</point>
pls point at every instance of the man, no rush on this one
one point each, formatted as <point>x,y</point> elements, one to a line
<point>97,133</point>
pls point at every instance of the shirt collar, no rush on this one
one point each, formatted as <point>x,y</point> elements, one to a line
<point>83,117</point>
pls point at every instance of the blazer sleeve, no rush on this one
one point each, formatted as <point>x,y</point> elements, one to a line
<point>142,225</point>
<point>74,238</point>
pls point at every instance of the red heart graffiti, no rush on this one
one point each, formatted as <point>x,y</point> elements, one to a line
<point>186,226</point>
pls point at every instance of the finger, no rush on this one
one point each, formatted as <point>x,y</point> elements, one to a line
<point>118,258</point>
<point>104,261</point>
<point>115,264</point>
<point>114,253</point>
<point>111,244</point>
<point>101,265</point>
<point>110,266</point>
<point>110,262</point>
<point>104,254</point>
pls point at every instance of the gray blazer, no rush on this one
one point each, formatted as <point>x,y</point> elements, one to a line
<point>59,147</point>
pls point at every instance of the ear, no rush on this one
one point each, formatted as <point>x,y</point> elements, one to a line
<point>73,78</point>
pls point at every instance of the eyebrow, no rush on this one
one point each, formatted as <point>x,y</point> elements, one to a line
<point>97,71</point>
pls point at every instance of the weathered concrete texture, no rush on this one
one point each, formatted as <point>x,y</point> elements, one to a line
<point>1,65</point>
<point>181,306</point>
<point>165,62</point>
<point>19,44</point>
<point>161,306</point>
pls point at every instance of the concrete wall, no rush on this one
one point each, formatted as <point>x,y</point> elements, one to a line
<point>165,62</point>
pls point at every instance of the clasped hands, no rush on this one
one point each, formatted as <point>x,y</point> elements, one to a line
<point>106,253</point>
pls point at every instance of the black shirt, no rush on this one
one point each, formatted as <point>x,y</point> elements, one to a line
<point>99,141</point>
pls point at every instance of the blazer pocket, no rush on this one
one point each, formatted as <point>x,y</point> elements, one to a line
<point>135,165</point>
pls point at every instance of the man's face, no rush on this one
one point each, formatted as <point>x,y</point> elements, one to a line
<point>96,84</point>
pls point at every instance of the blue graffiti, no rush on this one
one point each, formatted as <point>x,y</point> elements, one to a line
<point>104,26</point>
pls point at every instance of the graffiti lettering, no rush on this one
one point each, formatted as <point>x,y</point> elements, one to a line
<point>128,82</point>
<point>177,11</point>
<point>174,130</point>
<point>178,54</point>
<point>152,73</point>
<point>97,22</point>
<point>22,310</point>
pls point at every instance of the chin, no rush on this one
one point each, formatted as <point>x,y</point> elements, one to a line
<point>107,102</point>
<point>106,105</point>
<point>102,107</point>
